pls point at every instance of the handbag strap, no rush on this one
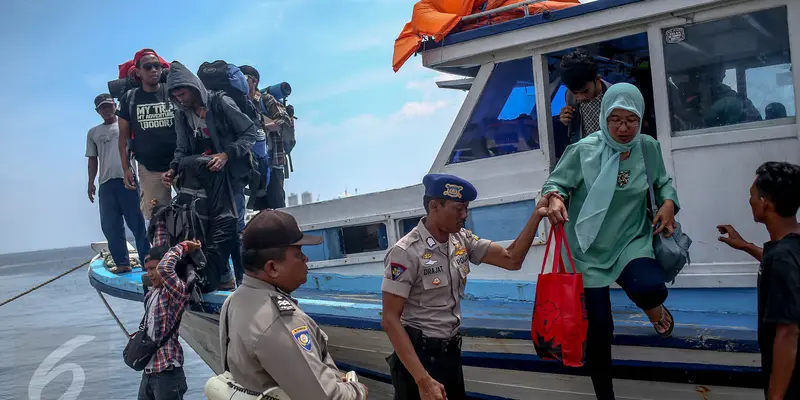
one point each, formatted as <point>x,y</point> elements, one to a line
<point>566,245</point>
<point>652,199</point>
<point>227,340</point>
<point>557,231</point>
<point>172,330</point>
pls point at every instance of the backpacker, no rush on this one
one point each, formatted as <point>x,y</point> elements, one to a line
<point>224,78</point>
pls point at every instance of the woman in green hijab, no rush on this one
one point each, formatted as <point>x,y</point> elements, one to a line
<point>603,178</point>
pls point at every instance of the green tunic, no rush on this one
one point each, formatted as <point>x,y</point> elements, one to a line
<point>625,233</point>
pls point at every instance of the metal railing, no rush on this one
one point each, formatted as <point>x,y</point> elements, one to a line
<point>524,4</point>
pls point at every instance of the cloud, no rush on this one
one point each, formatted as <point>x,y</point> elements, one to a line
<point>372,152</point>
<point>422,108</point>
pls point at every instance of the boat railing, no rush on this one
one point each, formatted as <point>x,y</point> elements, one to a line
<point>498,10</point>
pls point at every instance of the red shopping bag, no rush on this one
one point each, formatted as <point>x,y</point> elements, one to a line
<point>559,322</point>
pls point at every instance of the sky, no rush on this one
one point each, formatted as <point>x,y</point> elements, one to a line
<point>361,126</point>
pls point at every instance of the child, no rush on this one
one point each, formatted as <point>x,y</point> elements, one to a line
<point>774,201</point>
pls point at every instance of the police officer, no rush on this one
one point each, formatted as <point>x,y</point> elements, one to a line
<point>266,339</point>
<point>423,284</point>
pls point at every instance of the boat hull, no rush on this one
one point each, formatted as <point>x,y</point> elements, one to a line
<point>365,351</point>
<point>702,361</point>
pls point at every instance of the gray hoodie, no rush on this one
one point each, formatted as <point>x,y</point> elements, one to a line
<point>236,141</point>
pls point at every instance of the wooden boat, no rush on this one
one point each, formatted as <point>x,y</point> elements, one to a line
<point>507,137</point>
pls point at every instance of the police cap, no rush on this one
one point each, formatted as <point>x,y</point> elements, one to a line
<point>449,187</point>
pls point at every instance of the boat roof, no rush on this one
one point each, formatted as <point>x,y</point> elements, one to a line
<point>525,22</point>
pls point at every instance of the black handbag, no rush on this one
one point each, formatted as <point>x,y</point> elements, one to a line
<point>140,348</point>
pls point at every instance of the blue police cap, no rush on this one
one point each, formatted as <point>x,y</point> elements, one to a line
<point>449,187</point>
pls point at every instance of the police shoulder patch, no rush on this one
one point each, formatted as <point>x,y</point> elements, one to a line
<point>302,337</point>
<point>285,306</point>
<point>397,270</point>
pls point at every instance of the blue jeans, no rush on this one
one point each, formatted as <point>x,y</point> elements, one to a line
<point>118,203</point>
<point>643,282</point>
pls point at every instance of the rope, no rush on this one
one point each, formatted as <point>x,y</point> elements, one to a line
<point>73,269</point>
<point>113,314</point>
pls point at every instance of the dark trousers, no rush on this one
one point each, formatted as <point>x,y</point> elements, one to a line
<point>440,359</point>
<point>119,206</point>
<point>276,197</point>
<point>165,385</point>
<point>643,282</point>
<point>236,254</point>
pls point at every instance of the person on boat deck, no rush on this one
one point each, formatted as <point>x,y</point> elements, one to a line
<point>266,339</point>
<point>163,377</point>
<point>603,178</point>
<point>116,202</point>
<point>146,122</point>
<point>423,283</point>
<point>774,202</point>
<point>227,144</point>
<point>277,122</point>
<point>585,91</point>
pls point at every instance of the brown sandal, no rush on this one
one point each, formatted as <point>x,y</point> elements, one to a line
<point>120,269</point>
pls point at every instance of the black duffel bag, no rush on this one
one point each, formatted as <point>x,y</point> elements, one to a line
<point>140,349</point>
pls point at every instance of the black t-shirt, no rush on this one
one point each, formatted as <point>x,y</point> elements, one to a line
<point>779,301</point>
<point>152,127</point>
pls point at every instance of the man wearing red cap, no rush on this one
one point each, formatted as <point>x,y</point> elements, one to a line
<point>146,120</point>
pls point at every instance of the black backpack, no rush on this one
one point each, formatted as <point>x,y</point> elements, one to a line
<point>220,76</point>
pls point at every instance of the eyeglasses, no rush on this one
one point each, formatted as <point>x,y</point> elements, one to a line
<point>151,66</point>
<point>616,123</point>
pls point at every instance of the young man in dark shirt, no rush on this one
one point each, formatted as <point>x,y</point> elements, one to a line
<point>146,116</point>
<point>584,94</point>
<point>774,201</point>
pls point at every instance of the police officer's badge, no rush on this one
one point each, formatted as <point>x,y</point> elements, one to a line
<point>453,191</point>
<point>436,281</point>
<point>460,250</point>
<point>427,255</point>
<point>431,242</point>
<point>302,337</point>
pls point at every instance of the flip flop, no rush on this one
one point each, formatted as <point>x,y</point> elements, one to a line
<point>662,321</point>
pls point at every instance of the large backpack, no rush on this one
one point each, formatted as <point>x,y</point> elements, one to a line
<point>220,76</point>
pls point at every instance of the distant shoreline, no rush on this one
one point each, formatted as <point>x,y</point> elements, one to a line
<point>48,252</point>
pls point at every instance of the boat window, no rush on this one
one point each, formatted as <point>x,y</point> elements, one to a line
<point>504,119</point>
<point>364,238</point>
<point>408,224</point>
<point>729,71</point>
<point>624,59</point>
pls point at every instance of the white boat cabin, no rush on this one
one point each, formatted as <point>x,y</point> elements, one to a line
<point>681,53</point>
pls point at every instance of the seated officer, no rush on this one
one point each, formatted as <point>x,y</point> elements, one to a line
<point>266,339</point>
<point>424,280</point>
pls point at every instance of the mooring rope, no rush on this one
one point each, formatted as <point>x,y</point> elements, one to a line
<point>73,269</point>
<point>121,326</point>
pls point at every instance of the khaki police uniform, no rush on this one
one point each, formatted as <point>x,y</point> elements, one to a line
<point>431,276</point>
<point>272,342</point>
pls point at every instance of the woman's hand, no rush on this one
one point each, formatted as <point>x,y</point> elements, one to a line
<point>557,211</point>
<point>665,219</point>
